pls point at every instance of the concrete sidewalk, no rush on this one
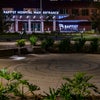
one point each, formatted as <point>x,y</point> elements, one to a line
<point>47,70</point>
<point>11,43</point>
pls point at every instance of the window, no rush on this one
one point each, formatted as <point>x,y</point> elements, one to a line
<point>94,11</point>
<point>75,12</point>
<point>63,11</point>
<point>8,9</point>
<point>35,26</point>
<point>85,12</point>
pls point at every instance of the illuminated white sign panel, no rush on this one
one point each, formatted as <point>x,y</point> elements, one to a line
<point>30,12</point>
<point>9,12</point>
<point>46,12</point>
<point>24,12</point>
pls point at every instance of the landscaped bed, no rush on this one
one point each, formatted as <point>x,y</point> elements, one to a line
<point>49,45</point>
<point>14,87</point>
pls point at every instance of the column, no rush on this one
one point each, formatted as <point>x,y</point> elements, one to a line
<point>54,24</point>
<point>29,25</point>
<point>16,25</point>
<point>42,24</point>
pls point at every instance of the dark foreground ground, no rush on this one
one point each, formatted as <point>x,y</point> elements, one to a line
<point>47,70</point>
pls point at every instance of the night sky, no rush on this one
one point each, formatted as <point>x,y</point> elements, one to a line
<point>18,4</point>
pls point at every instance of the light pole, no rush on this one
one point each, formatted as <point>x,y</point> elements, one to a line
<point>41,6</point>
<point>41,18</point>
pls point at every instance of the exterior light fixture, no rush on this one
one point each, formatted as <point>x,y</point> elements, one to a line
<point>13,17</point>
<point>47,17</point>
<point>54,17</point>
<point>20,17</point>
<point>27,17</point>
<point>41,17</point>
<point>34,17</point>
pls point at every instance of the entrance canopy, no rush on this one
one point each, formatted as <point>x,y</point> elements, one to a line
<point>36,15</point>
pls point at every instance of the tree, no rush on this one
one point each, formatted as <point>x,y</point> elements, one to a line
<point>20,43</point>
<point>4,21</point>
<point>95,18</point>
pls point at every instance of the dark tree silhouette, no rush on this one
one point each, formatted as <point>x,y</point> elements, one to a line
<point>95,18</point>
<point>4,21</point>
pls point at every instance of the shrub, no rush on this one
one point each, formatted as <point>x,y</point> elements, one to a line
<point>64,92</point>
<point>47,43</point>
<point>79,87</point>
<point>64,45</point>
<point>94,45</point>
<point>33,40</point>
<point>21,42</point>
<point>52,95</point>
<point>79,44</point>
<point>12,83</point>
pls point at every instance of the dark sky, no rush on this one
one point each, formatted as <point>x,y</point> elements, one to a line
<point>31,3</point>
<point>19,3</point>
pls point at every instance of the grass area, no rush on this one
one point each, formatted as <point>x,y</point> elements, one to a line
<point>88,37</point>
<point>74,36</point>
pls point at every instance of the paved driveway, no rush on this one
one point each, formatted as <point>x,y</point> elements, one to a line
<point>47,70</point>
